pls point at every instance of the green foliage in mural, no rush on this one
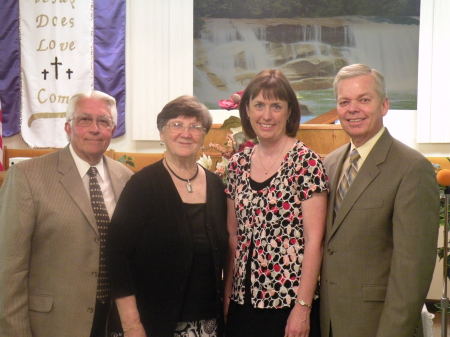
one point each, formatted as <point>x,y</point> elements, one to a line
<point>304,8</point>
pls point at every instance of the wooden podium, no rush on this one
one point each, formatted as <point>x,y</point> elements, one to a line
<point>321,138</point>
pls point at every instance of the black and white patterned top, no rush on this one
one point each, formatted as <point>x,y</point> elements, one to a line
<point>272,217</point>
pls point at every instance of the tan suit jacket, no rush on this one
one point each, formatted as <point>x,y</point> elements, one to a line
<point>49,248</point>
<point>380,248</point>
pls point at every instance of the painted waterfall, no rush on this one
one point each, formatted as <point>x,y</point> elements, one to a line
<point>229,52</point>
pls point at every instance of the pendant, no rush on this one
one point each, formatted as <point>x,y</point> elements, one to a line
<point>189,186</point>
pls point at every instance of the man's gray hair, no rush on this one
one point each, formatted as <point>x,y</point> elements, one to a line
<point>355,70</point>
<point>109,100</point>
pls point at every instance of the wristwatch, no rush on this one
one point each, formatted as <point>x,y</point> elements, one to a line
<point>303,303</point>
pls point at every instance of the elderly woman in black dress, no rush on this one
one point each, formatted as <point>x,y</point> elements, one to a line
<point>168,236</point>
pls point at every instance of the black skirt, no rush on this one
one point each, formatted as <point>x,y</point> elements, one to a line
<point>246,321</point>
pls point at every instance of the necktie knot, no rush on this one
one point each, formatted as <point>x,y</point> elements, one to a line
<point>354,156</point>
<point>92,172</point>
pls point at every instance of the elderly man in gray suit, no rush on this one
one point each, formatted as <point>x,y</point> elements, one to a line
<point>383,214</point>
<point>54,212</point>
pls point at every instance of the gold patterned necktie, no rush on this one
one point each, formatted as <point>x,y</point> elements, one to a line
<point>102,219</point>
<point>347,179</point>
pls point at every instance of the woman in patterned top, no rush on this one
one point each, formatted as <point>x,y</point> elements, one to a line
<point>277,199</point>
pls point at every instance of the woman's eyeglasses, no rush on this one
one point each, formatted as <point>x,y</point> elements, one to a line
<point>178,127</point>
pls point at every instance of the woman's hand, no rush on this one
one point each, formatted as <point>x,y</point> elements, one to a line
<point>298,322</point>
<point>314,212</point>
<point>226,305</point>
<point>129,317</point>
<point>134,331</point>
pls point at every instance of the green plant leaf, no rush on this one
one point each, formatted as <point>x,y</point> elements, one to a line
<point>231,122</point>
<point>438,307</point>
<point>127,160</point>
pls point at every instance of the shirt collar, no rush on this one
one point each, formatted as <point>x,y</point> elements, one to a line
<point>83,166</point>
<point>365,149</point>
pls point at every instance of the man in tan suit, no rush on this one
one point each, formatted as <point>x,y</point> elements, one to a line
<point>49,237</point>
<point>380,244</point>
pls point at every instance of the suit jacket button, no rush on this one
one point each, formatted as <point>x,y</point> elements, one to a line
<point>90,310</point>
<point>330,251</point>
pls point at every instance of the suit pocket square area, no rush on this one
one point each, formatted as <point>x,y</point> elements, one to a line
<point>373,293</point>
<point>40,303</point>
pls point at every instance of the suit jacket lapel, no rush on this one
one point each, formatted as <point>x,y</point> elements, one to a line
<point>334,173</point>
<point>366,174</point>
<point>118,180</point>
<point>72,183</point>
<point>333,170</point>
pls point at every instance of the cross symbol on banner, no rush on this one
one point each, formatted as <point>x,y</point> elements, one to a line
<point>45,72</point>
<point>56,64</point>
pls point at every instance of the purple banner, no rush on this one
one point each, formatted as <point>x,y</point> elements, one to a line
<point>10,66</point>
<point>109,59</point>
<point>109,54</point>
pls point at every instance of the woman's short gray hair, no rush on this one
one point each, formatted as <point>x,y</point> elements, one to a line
<point>185,105</point>
<point>109,100</point>
<point>355,70</point>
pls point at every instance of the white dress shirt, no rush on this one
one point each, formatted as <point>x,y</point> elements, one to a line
<point>103,180</point>
<point>363,151</point>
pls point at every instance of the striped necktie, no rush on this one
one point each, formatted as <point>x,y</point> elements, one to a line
<point>347,179</point>
<point>102,219</point>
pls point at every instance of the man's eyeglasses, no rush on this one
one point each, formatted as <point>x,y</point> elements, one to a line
<point>85,121</point>
<point>178,127</point>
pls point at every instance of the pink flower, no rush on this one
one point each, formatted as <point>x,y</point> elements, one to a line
<point>236,97</point>
<point>227,104</point>
<point>232,102</point>
<point>248,143</point>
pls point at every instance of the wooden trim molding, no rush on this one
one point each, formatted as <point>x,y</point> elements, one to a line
<point>322,138</point>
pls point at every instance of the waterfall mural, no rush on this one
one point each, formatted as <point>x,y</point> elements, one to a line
<point>228,52</point>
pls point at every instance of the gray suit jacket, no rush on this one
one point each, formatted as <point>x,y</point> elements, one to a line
<point>49,248</point>
<point>380,248</point>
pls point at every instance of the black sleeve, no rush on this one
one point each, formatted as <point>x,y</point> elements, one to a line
<point>125,228</point>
